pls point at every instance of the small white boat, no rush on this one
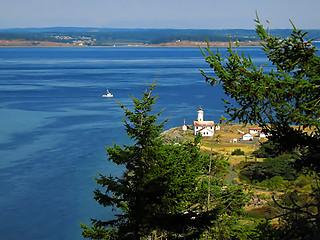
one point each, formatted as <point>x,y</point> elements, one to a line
<point>108,94</point>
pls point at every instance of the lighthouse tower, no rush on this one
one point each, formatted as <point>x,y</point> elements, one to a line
<point>200,115</point>
<point>205,128</point>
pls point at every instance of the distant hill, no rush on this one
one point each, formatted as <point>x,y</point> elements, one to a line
<point>60,29</point>
<point>106,36</point>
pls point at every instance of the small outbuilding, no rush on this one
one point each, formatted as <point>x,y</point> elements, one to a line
<point>262,135</point>
<point>184,127</point>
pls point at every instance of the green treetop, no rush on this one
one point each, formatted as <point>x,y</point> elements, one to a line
<point>286,104</point>
<point>288,95</point>
<point>163,191</point>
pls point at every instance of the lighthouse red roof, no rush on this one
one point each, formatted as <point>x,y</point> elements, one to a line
<point>203,123</point>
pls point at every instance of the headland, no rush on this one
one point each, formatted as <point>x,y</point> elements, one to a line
<point>185,44</point>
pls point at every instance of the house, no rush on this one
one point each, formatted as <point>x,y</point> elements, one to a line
<point>247,137</point>
<point>205,128</point>
<point>255,131</point>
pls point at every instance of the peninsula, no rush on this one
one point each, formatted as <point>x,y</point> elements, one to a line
<point>24,43</point>
<point>113,37</point>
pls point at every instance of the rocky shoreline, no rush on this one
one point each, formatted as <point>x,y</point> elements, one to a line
<point>175,134</point>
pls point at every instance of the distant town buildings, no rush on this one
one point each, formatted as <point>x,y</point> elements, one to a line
<point>79,40</point>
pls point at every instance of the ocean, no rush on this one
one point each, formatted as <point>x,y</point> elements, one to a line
<point>54,125</point>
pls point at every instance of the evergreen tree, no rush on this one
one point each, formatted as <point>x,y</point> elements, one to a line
<point>164,188</point>
<point>278,99</point>
<point>287,96</point>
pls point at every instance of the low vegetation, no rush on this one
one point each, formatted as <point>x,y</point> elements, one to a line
<point>268,178</point>
<point>237,152</point>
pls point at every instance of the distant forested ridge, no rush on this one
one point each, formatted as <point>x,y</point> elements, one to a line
<point>107,36</point>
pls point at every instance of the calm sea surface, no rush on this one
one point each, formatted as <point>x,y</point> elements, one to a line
<point>54,125</point>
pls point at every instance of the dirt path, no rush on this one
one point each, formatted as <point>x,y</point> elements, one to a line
<point>233,174</point>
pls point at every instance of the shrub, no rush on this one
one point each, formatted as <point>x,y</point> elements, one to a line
<point>303,181</point>
<point>273,183</point>
<point>237,152</point>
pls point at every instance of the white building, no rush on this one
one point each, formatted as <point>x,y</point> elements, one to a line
<point>184,127</point>
<point>255,131</point>
<point>262,135</point>
<point>247,137</point>
<point>205,128</point>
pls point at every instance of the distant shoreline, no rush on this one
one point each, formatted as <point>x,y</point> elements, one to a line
<point>18,43</point>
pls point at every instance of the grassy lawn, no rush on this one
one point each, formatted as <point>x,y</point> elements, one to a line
<point>222,142</point>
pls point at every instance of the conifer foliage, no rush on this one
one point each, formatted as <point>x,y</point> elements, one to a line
<point>163,190</point>
<point>285,102</point>
<point>287,95</point>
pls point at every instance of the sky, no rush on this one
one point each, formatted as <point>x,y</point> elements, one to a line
<point>177,14</point>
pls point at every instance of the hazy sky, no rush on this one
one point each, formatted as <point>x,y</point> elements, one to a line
<point>209,14</point>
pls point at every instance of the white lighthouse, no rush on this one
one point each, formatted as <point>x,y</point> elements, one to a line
<point>200,115</point>
<point>205,128</point>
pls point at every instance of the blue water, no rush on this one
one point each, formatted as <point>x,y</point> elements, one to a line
<point>54,125</point>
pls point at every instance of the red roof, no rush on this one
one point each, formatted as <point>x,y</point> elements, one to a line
<point>204,128</point>
<point>203,123</point>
